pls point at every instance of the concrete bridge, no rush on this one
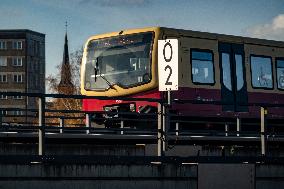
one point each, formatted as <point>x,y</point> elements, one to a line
<point>42,158</point>
<point>136,172</point>
<point>109,166</point>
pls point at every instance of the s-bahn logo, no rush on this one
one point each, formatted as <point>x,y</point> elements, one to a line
<point>168,64</point>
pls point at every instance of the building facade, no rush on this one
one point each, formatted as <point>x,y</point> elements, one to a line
<point>22,69</point>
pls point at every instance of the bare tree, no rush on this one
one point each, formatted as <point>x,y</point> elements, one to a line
<point>75,64</point>
<point>66,103</point>
<point>75,61</point>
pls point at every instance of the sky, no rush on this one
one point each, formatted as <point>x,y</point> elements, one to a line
<point>252,18</point>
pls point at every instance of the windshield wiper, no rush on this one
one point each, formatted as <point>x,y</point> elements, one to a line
<point>96,68</point>
<point>109,84</point>
<point>103,77</point>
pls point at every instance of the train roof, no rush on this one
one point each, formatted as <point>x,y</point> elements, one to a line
<point>224,37</point>
<point>198,34</point>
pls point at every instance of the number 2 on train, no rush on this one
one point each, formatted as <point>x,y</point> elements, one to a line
<point>167,81</point>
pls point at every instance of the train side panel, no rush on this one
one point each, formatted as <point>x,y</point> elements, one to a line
<point>190,91</point>
<point>212,92</point>
<point>264,95</point>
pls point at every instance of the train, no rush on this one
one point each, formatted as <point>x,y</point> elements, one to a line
<point>233,70</point>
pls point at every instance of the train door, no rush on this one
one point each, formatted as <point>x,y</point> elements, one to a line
<point>233,77</point>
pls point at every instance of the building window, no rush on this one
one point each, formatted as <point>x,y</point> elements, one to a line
<point>18,78</point>
<point>3,45</point>
<point>3,78</point>
<point>31,81</point>
<point>280,73</point>
<point>4,112</point>
<point>3,61</point>
<point>18,97</point>
<point>202,67</point>
<point>36,81</point>
<point>31,65</point>
<point>36,66</point>
<point>261,72</point>
<point>37,47</point>
<point>41,49</point>
<point>17,112</point>
<point>17,61</point>
<point>17,45</point>
<point>2,96</point>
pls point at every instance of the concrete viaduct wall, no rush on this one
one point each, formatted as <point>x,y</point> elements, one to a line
<point>156,176</point>
<point>129,171</point>
<point>46,176</point>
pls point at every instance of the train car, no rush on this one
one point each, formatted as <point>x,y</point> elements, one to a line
<point>236,71</point>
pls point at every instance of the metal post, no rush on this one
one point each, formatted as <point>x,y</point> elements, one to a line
<point>164,127</point>
<point>238,126</point>
<point>169,98</point>
<point>121,127</point>
<point>226,129</point>
<point>166,118</point>
<point>177,128</point>
<point>88,123</point>
<point>1,117</point>
<point>61,122</point>
<point>160,130</point>
<point>41,124</point>
<point>263,113</point>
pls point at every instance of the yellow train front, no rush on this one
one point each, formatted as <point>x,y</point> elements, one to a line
<point>236,71</point>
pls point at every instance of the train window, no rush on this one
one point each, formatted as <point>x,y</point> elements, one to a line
<point>280,73</point>
<point>202,67</point>
<point>239,71</point>
<point>261,72</point>
<point>226,71</point>
<point>121,60</point>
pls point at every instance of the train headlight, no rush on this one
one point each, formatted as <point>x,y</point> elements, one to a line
<point>107,108</point>
<point>132,107</point>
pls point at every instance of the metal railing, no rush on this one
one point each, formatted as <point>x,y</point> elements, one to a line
<point>168,125</point>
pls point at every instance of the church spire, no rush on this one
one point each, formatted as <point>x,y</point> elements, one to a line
<point>66,79</point>
<point>66,52</point>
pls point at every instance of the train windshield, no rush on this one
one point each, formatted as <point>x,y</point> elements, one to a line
<point>121,60</point>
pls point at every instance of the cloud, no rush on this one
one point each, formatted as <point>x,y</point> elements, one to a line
<point>73,5</point>
<point>116,3</point>
<point>273,30</point>
<point>62,4</point>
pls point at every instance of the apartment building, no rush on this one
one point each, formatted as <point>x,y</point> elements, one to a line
<point>22,69</point>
